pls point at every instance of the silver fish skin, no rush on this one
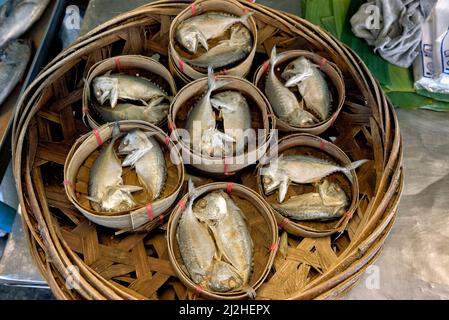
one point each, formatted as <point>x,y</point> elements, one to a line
<point>215,143</point>
<point>17,16</point>
<point>230,230</point>
<point>106,190</point>
<point>311,85</point>
<point>14,58</point>
<point>154,113</point>
<point>145,155</point>
<point>199,29</point>
<point>283,101</point>
<point>234,110</point>
<point>226,52</point>
<point>201,116</point>
<point>196,244</point>
<point>113,87</point>
<point>300,169</point>
<point>224,277</point>
<point>328,203</point>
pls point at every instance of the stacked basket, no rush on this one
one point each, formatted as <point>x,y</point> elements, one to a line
<point>138,265</point>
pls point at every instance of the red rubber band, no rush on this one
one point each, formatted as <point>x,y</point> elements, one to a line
<point>334,117</point>
<point>181,65</point>
<point>283,223</point>
<point>323,62</point>
<point>350,214</point>
<point>118,65</point>
<point>68,183</point>
<point>265,67</point>
<point>167,140</point>
<point>171,125</point>
<point>150,211</point>
<point>98,137</point>
<point>246,11</point>
<point>198,290</point>
<point>322,145</point>
<point>251,1</point>
<point>193,9</point>
<point>182,204</point>
<point>229,187</point>
<point>274,247</point>
<point>161,219</point>
<point>226,167</point>
<point>85,109</point>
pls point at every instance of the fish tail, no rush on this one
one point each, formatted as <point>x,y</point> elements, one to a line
<point>212,83</point>
<point>273,57</point>
<point>193,192</point>
<point>354,165</point>
<point>116,131</point>
<point>246,16</point>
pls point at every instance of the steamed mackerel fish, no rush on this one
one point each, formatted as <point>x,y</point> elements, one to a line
<point>153,113</point>
<point>201,122</point>
<point>300,169</point>
<point>231,234</point>
<point>196,244</point>
<point>234,111</point>
<point>199,252</point>
<point>283,101</point>
<point>145,155</point>
<point>106,190</point>
<point>226,52</point>
<point>17,16</point>
<point>115,87</point>
<point>311,85</point>
<point>14,57</point>
<point>199,29</point>
<point>328,203</point>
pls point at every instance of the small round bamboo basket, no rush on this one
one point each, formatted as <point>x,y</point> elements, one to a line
<point>334,78</point>
<point>305,144</point>
<point>188,73</point>
<point>81,158</point>
<point>128,64</point>
<point>260,119</point>
<point>263,229</point>
<point>136,265</point>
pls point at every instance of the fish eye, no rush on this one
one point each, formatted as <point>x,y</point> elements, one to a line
<point>98,93</point>
<point>267,180</point>
<point>202,203</point>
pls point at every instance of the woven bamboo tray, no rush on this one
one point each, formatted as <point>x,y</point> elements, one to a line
<point>136,265</point>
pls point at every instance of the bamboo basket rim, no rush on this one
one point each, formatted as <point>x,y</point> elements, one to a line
<point>188,72</point>
<point>119,63</point>
<point>334,75</point>
<point>243,192</point>
<point>105,133</point>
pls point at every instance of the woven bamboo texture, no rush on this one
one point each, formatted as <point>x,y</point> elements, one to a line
<point>80,260</point>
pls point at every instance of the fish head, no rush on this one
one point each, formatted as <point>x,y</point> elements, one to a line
<point>296,71</point>
<point>271,177</point>
<point>117,199</point>
<point>106,88</point>
<point>188,38</point>
<point>211,208</point>
<point>332,194</point>
<point>133,141</point>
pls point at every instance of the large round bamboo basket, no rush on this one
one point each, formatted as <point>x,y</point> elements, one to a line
<point>305,144</point>
<point>188,73</point>
<point>136,266</point>
<point>264,233</point>
<point>77,170</point>
<point>134,65</point>
<point>260,120</point>
<point>335,83</point>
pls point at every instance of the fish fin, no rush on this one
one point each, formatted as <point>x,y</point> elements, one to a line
<point>153,102</point>
<point>283,187</point>
<point>202,39</point>
<point>130,188</point>
<point>135,156</point>
<point>93,199</point>
<point>354,165</point>
<point>114,97</point>
<point>193,192</point>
